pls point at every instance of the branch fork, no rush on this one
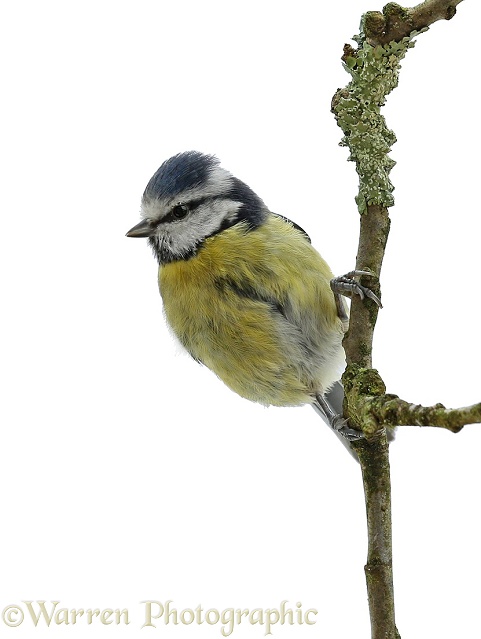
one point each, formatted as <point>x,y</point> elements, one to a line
<point>371,409</point>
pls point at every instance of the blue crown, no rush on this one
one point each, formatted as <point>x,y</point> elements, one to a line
<point>179,173</point>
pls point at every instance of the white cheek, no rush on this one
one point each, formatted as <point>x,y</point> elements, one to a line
<point>203,222</point>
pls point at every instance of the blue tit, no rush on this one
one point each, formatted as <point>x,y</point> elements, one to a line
<point>243,289</point>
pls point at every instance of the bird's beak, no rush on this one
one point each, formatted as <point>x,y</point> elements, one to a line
<point>142,229</point>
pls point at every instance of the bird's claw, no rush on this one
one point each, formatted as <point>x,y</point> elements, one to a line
<point>340,425</point>
<point>347,285</point>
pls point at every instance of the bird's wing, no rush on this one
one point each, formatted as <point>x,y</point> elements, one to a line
<point>296,226</point>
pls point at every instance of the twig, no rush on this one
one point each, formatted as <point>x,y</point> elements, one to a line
<point>371,408</point>
<point>391,410</point>
<point>383,41</point>
<point>396,22</point>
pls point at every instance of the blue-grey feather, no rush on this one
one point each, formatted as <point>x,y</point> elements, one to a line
<point>253,210</point>
<point>179,173</point>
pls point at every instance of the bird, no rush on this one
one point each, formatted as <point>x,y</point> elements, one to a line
<point>243,289</point>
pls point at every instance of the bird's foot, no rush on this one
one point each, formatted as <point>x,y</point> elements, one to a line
<point>340,425</point>
<point>346,285</point>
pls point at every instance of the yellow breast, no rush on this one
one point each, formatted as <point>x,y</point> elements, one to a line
<point>257,309</point>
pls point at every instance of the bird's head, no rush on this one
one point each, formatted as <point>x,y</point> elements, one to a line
<point>190,198</point>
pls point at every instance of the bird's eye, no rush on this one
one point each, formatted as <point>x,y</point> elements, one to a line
<point>179,211</point>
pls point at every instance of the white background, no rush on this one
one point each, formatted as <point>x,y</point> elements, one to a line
<point>127,471</point>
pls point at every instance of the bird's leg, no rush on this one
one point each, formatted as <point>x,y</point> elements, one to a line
<point>342,313</point>
<point>338,424</point>
<point>346,285</point>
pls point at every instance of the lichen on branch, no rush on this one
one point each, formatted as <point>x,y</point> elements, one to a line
<point>357,107</point>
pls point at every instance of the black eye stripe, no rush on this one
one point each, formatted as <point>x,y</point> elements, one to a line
<point>176,211</point>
